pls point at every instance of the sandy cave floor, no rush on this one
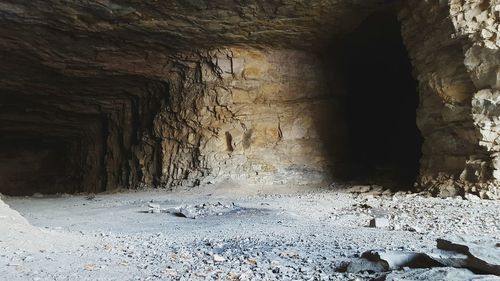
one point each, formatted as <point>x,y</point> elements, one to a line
<point>303,235</point>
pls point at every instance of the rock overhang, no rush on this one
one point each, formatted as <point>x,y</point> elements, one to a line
<point>153,87</point>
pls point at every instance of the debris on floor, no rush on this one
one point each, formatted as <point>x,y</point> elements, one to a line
<point>196,211</point>
<point>475,255</point>
<point>482,254</point>
<point>305,236</point>
<point>218,258</point>
<point>439,273</point>
<point>154,208</point>
<point>205,210</point>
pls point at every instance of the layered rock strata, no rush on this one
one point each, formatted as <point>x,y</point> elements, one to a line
<point>456,63</point>
<point>141,93</point>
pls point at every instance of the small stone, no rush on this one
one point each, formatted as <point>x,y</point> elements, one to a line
<point>471,197</point>
<point>490,44</point>
<point>218,258</point>
<point>233,276</point>
<point>246,276</point>
<point>89,267</point>
<point>251,261</point>
<point>28,258</point>
<point>154,208</point>
<point>413,229</point>
<point>170,272</point>
<point>483,194</point>
<point>379,222</point>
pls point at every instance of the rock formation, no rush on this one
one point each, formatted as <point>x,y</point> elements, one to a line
<point>444,43</point>
<point>146,93</point>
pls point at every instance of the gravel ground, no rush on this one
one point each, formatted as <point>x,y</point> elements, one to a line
<point>303,235</point>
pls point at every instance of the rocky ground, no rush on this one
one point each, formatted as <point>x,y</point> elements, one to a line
<point>219,233</point>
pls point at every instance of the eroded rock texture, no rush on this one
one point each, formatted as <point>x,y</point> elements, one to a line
<point>148,93</point>
<point>445,90</point>
<point>453,60</point>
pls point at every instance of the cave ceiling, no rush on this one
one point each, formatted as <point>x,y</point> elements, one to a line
<point>87,38</point>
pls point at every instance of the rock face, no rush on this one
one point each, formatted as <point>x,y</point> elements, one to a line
<point>142,93</point>
<point>256,118</point>
<point>454,64</point>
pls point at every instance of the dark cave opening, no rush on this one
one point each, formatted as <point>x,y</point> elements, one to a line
<point>73,135</point>
<point>42,144</point>
<point>383,143</point>
<point>33,164</point>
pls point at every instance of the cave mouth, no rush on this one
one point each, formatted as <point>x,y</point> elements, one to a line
<point>66,134</point>
<point>383,143</point>
<point>32,164</point>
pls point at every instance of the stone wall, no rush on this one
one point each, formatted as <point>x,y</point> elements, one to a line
<point>479,21</point>
<point>258,116</point>
<point>453,49</point>
<point>171,94</point>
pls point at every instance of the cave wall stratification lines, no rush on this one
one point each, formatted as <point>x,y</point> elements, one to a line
<point>127,94</point>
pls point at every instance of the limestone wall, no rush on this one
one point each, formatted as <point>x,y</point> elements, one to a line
<point>453,47</point>
<point>250,115</point>
<point>268,116</point>
<point>167,94</point>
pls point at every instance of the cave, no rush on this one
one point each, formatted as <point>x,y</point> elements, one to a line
<point>337,102</point>
<point>249,140</point>
<point>383,142</point>
<point>74,135</point>
<point>32,165</point>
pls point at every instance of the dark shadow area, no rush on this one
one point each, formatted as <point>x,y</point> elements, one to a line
<point>71,134</point>
<point>31,165</point>
<point>378,102</point>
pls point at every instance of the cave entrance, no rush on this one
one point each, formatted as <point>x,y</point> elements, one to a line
<point>31,164</point>
<point>383,143</point>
